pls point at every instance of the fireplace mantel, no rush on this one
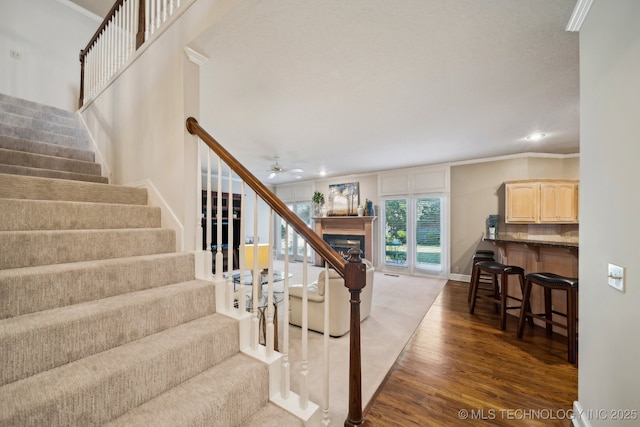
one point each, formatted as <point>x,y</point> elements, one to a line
<point>347,225</point>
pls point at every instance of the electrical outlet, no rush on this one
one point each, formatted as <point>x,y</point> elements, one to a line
<point>15,54</point>
<point>616,277</point>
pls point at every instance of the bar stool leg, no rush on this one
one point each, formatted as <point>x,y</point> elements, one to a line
<point>504,292</point>
<point>572,333</point>
<point>473,277</point>
<point>474,288</point>
<point>548,303</point>
<point>524,311</point>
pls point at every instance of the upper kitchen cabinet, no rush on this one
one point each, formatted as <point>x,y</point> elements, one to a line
<point>522,202</point>
<point>559,202</point>
<point>541,202</point>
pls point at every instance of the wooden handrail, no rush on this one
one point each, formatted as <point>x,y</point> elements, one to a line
<point>321,247</point>
<point>354,271</point>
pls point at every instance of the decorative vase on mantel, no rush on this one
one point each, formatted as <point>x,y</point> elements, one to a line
<point>360,210</point>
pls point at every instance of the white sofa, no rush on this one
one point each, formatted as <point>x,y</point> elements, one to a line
<point>340,308</point>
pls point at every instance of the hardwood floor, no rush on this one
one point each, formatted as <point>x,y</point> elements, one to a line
<point>461,369</point>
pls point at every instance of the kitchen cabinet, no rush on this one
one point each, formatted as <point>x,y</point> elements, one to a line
<point>541,202</point>
<point>559,202</point>
<point>522,202</point>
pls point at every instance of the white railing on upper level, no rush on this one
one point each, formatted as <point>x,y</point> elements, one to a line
<point>128,25</point>
<point>234,301</point>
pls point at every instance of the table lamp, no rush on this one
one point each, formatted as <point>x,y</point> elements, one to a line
<point>263,257</point>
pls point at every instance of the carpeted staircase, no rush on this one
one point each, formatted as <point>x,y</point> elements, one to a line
<point>101,321</point>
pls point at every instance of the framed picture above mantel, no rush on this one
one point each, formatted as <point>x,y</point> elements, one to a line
<point>343,199</point>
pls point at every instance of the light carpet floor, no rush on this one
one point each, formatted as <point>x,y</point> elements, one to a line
<point>399,304</point>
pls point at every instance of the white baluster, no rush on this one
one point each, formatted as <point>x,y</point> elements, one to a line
<point>230,243</point>
<point>325,395</point>
<point>256,287</point>
<point>147,19</point>
<point>209,216</point>
<point>171,8</point>
<point>304,373</point>
<point>242,266</point>
<point>198,236</point>
<point>164,11</point>
<point>152,14</point>
<point>285,385</point>
<point>158,13</point>
<point>269,336</point>
<point>219,255</point>
<point>118,29</point>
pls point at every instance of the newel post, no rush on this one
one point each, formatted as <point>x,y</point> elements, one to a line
<point>81,100</point>
<point>355,275</point>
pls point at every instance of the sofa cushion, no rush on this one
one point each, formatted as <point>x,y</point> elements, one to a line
<point>320,283</point>
<point>313,293</point>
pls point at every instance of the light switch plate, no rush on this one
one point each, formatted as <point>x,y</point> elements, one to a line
<point>616,277</point>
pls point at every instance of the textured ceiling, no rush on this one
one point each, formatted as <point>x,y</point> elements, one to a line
<point>355,86</point>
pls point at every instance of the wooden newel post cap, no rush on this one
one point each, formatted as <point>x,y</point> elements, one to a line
<point>355,271</point>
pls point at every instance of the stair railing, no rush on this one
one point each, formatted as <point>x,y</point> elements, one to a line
<point>353,271</point>
<point>127,26</point>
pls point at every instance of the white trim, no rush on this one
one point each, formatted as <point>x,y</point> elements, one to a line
<point>106,171</point>
<point>514,156</point>
<point>81,10</point>
<point>579,14</point>
<point>460,277</point>
<point>195,57</point>
<point>577,420</point>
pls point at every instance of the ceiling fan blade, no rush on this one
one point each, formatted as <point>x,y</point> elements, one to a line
<point>272,175</point>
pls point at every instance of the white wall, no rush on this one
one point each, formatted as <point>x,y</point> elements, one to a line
<point>49,36</point>
<point>138,122</point>
<point>609,348</point>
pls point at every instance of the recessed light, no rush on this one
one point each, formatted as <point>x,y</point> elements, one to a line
<point>536,136</point>
<point>323,173</point>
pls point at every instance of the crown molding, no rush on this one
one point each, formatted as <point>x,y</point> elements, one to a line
<point>80,10</point>
<point>579,14</point>
<point>195,57</point>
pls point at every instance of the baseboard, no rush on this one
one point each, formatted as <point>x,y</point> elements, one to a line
<point>106,171</point>
<point>460,277</point>
<point>579,418</point>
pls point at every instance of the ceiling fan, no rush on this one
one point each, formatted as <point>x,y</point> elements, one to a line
<point>276,169</point>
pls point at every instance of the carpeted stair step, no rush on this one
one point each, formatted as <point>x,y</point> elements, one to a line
<point>43,136</point>
<point>223,396</point>
<point>32,289</point>
<point>102,387</point>
<point>33,248</point>
<point>23,215</point>
<point>271,415</point>
<point>41,161</point>
<point>46,173</point>
<point>35,106</point>
<point>40,341</point>
<point>29,187</point>
<point>51,125</point>
<point>30,146</point>
<point>66,118</point>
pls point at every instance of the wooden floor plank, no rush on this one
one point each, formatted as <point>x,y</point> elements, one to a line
<point>459,364</point>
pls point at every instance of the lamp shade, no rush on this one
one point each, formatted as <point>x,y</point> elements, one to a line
<point>263,256</point>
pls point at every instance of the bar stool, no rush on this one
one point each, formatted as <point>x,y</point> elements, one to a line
<point>500,293</point>
<point>485,279</point>
<point>549,282</point>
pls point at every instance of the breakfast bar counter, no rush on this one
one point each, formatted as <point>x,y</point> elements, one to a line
<point>551,256</point>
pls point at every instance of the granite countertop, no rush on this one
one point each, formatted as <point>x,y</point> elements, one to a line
<point>548,243</point>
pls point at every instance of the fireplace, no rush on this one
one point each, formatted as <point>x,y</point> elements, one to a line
<point>349,231</point>
<point>342,243</point>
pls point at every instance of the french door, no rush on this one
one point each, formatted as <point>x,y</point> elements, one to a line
<point>413,234</point>
<point>295,243</point>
